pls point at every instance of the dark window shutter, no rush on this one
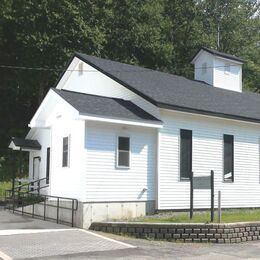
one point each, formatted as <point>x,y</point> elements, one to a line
<point>185,153</point>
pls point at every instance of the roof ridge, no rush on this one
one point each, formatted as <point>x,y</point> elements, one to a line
<point>85,58</point>
<point>222,54</point>
<point>147,69</point>
<point>131,65</point>
<point>203,84</point>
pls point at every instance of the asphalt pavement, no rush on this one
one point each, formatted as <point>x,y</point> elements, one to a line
<point>22,237</point>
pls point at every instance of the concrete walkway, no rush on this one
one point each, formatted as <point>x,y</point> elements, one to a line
<point>26,238</point>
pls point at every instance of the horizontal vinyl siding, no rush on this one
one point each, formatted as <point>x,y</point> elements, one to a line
<point>66,181</point>
<point>208,155</point>
<point>105,182</point>
<point>231,80</point>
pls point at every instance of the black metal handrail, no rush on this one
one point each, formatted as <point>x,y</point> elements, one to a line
<point>24,195</point>
<point>20,200</point>
<point>28,186</point>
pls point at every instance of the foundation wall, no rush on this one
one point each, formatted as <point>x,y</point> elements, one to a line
<point>87,213</point>
<point>213,233</point>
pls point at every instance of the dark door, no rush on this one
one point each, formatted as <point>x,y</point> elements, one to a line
<point>48,165</point>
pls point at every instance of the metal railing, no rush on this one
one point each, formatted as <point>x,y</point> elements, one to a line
<point>21,200</point>
<point>30,186</point>
<point>26,195</point>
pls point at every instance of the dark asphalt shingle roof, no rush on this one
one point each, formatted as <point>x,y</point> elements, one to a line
<point>26,143</point>
<point>175,92</point>
<point>221,54</point>
<point>93,105</point>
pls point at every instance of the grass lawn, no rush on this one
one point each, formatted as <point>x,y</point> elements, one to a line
<point>4,186</point>
<point>228,216</point>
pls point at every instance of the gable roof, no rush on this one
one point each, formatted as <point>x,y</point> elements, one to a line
<point>178,93</point>
<point>93,105</point>
<point>220,54</point>
<point>25,143</point>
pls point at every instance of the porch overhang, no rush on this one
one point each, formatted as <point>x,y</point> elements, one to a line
<point>24,144</point>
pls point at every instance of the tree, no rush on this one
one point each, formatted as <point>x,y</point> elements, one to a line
<point>185,33</point>
<point>239,24</point>
<point>40,34</point>
<point>159,34</point>
<point>137,33</point>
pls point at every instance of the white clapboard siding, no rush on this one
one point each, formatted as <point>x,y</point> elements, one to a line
<point>231,80</point>
<point>92,81</point>
<point>105,182</point>
<point>208,155</point>
<point>66,181</point>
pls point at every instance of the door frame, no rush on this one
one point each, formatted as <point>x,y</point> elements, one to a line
<point>34,158</point>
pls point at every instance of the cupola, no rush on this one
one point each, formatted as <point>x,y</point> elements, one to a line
<point>218,69</point>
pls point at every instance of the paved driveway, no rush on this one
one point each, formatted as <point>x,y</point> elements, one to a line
<point>22,237</point>
<point>26,238</point>
<point>10,221</point>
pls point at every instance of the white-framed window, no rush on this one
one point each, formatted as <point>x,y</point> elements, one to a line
<point>123,152</point>
<point>227,68</point>
<point>204,68</point>
<point>228,157</point>
<point>65,151</point>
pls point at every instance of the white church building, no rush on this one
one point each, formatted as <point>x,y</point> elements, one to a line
<point>123,140</point>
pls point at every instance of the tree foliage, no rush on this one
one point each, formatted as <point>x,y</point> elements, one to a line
<point>159,34</point>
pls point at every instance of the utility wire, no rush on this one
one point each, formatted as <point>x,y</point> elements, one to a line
<point>79,70</point>
<point>28,68</point>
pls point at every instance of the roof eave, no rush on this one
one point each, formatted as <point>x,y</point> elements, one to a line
<point>208,113</point>
<point>14,146</point>
<point>124,121</point>
<point>234,59</point>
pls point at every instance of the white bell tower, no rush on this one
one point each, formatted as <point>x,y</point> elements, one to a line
<point>218,69</point>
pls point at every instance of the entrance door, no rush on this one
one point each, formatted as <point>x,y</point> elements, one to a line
<point>36,167</point>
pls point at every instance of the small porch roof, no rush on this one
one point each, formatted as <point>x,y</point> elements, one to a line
<point>24,144</point>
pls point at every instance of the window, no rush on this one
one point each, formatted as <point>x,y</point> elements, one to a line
<point>48,165</point>
<point>227,68</point>
<point>185,154</point>
<point>65,152</point>
<point>228,158</point>
<point>123,152</point>
<point>204,68</point>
